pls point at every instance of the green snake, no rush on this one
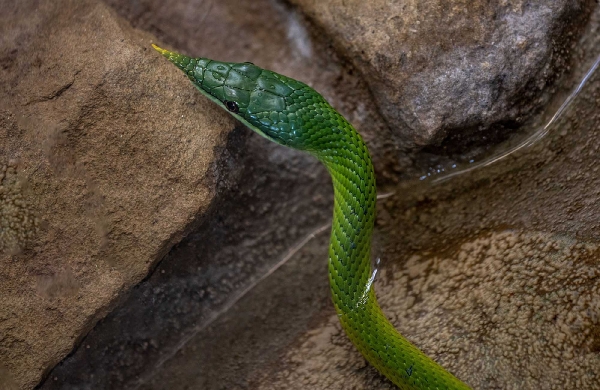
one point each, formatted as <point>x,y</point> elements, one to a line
<point>293,114</point>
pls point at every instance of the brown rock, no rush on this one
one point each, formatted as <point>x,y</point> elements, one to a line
<point>494,273</point>
<point>105,155</point>
<point>147,340</point>
<point>275,197</point>
<point>441,69</point>
<point>273,36</point>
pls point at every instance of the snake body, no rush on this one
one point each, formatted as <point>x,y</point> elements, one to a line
<point>293,114</point>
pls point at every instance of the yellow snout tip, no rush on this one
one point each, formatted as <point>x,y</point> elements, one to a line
<point>161,50</point>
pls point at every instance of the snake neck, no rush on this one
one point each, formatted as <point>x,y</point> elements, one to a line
<point>349,163</point>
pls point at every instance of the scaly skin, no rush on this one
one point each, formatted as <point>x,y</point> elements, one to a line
<point>291,113</point>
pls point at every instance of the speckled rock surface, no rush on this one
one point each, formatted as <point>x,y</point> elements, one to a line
<point>445,70</point>
<point>505,310</point>
<point>459,262</point>
<point>18,223</point>
<point>494,274</point>
<point>183,326</point>
<point>273,36</point>
<point>105,160</point>
<point>271,198</point>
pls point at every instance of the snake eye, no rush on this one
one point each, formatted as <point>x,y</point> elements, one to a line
<point>232,106</point>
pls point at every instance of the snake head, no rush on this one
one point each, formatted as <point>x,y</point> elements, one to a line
<point>273,105</point>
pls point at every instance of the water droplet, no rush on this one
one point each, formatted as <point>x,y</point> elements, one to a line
<point>365,295</point>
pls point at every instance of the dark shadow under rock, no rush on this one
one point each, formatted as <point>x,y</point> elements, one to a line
<point>238,240</point>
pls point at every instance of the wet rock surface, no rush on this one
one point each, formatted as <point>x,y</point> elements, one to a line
<point>240,238</point>
<point>533,294</point>
<point>105,161</point>
<point>125,178</point>
<point>456,73</point>
<point>494,274</point>
<point>264,187</point>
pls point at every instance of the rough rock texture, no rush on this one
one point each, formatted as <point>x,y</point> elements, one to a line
<point>448,69</point>
<point>105,155</point>
<point>494,274</point>
<point>458,264</point>
<point>18,223</point>
<point>506,310</point>
<point>264,187</point>
<point>240,238</point>
<point>271,35</point>
<point>177,328</point>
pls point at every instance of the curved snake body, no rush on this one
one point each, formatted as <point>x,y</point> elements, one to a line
<point>291,113</point>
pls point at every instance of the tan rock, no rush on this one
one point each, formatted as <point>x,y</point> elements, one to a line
<point>105,160</point>
<point>283,332</point>
<point>494,273</point>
